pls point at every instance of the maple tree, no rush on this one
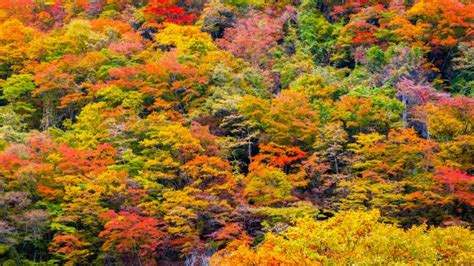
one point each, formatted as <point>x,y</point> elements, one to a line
<point>167,11</point>
<point>457,183</point>
<point>131,235</point>
<point>70,247</point>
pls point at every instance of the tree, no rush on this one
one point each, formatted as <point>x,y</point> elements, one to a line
<point>412,95</point>
<point>279,156</point>
<point>17,85</point>
<point>368,113</point>
<point>394,158</point>
<point>212,175</point>
<point>90,129</point>
<point>447,22</point>
<point>15,39</point>
<point>291,119</point>
<point>13,126</point>
<point>216,18</point>
<point>355,237</point>
<point>53,83</point>
<point>437,25</point>
<point>395,176</point>
<point>315,86</point>
<point>70,248</point>
<point>457,153</point>
<point>168,11</point>
<point>132,236</point>
<point>457,183</point>
<point>463,70</point>
<point>191,216</point>
<point>287,159</point>
<point>252,37</point>
<point>267,187</point>
<point>360,31</point>
<point>18,9</point>
<point>316,34</point>
<point>186,39</point>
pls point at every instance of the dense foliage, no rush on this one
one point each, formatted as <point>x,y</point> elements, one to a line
<point>247,132</point>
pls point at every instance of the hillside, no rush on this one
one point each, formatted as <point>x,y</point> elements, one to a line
<point>236,132</point>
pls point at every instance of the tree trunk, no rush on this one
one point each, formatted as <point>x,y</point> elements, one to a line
<point>336,164</point>
<point>405,112</point>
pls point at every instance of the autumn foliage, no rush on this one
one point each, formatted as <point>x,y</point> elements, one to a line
<point>236,132</point>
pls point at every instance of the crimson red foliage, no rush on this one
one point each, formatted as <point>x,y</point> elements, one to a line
<point>165,10</point>
<point>457,183</point>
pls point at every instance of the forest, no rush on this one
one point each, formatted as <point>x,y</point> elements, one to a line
<point>236,132</point>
